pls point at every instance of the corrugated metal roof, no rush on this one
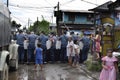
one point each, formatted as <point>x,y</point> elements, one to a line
<point>115,5</point>
<point>102,7</point>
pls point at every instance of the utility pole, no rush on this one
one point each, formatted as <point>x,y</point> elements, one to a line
<point>36,30</point>
<point>57,19</point>
<point>37,21</point>
<point>28,23</point>
<point>7,3</point>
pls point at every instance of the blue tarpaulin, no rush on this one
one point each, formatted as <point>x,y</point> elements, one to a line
<point>87,32</point>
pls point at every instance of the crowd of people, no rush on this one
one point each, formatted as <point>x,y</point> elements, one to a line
<point>61,48</point>
<point>73,49</point>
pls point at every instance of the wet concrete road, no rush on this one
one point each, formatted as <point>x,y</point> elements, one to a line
<point>50,72</point>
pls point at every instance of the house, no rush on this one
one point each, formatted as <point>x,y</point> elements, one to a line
<point>75,20</point>
<point>115,8</point>
<point>104,14</point>
<point>107,19</point>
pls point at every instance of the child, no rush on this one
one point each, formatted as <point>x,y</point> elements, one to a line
<point>70,50</point>
<point>38,56</point>
<point>76,51</point>
<point>109,67</point>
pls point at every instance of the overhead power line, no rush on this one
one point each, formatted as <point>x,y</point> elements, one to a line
<point>18,19</point>
<point>28,6</point>
<point>32,9</point>
<point>90,2</point>
<point>67,2</point>
<point>49,3</point>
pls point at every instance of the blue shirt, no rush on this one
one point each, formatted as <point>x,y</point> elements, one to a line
<point>74,37</point>
<point>39,53</point>
<point>20,39</point>
<point>86,41</point>
<point>32,38</point>
<point>64,40</point>
<point>42,39</point>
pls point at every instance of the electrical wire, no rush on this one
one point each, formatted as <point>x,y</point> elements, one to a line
<point>32,9</point>
<point>66,2</point>
<point>46,16</point>
<point>49,3</point>
<point>39,8</point>
<point>89,2</point>
<point>18,19</point>
<point>28,6</point>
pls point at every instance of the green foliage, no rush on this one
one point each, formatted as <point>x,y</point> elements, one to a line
<point>93,65</point>
<point>39,26</point>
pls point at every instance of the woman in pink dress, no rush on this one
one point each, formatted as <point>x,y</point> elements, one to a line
<point>109,67</point>
<point>97,44</point>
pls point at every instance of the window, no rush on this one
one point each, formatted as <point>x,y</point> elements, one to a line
<point>71,18</point>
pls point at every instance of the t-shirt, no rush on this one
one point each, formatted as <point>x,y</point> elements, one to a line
<point>81,45</point>
<point>39,53</point>
<point>25,44</point>
<point>64,41</point>
<point>48,44</point>
<point>58,44</point>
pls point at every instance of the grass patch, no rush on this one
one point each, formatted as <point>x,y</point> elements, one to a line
<point>93,65</point>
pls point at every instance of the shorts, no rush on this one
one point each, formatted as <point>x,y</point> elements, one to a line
<point>39,61</point>
<point>76,58</point>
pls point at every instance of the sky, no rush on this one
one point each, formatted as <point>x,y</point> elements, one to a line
<point>23,11</point>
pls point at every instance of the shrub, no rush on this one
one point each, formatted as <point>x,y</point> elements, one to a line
<point>93,65</point>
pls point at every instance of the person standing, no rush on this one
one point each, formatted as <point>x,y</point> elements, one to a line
<point>26,50</point>
<point>31,47</point>
<point>48,46</point>
<point>20,41</point>
<point>43,39</point>
<point>80,52</point>
<point>64,41</point>
<point>39,57</point>
<point>52,49</point>
<point>109,64</point>
<point>70,53</point>
<point>58,49</point>
<point>97,44</point>
<point>74,36</point>
<point>86,46</point>
<point>76,50</point>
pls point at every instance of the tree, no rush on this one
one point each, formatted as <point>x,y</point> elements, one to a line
<point>39,26</point>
